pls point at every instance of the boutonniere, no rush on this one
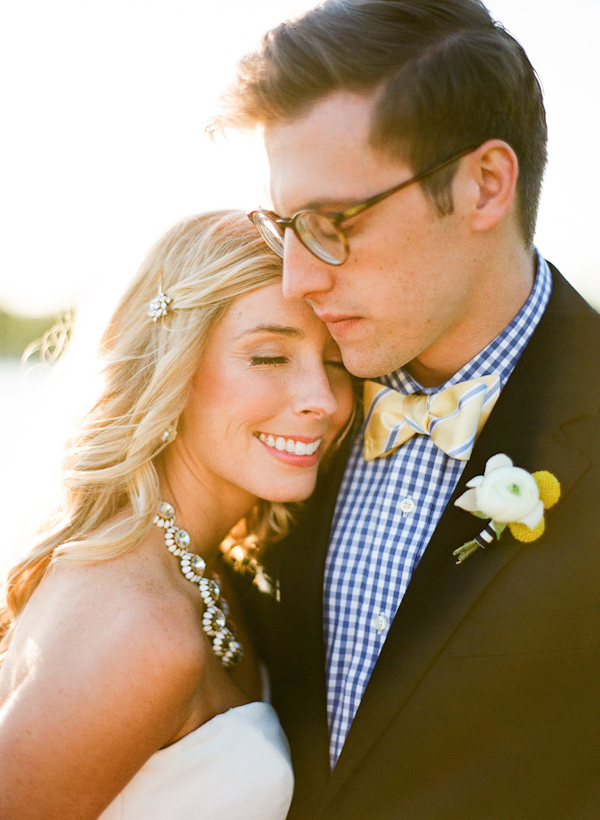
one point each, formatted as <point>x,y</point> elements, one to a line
<point>509,497</point>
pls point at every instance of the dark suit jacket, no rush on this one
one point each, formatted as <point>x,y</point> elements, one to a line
<point>485,701</point>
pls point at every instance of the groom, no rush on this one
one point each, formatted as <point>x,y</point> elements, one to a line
<point>407,144</point>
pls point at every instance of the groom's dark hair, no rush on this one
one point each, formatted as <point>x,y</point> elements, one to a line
<point>447,77</point>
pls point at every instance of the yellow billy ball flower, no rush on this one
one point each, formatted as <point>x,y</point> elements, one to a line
<point>522,532</point>
<point>548,486</point>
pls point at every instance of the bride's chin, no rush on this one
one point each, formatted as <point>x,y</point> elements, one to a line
<point>291,497</point>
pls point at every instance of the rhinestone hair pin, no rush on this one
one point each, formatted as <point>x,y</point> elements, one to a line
<point>159,306</point>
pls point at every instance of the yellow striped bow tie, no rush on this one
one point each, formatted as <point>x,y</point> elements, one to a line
<point>453,418</point>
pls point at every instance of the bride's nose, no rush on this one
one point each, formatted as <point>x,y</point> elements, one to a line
<point>313,393</point>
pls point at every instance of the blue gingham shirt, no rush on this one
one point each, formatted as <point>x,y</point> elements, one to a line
<point>386,512</point>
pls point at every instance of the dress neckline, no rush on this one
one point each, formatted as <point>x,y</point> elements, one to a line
<point>211,726</point>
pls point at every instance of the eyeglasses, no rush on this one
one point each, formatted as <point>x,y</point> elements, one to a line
<point>320,232</point>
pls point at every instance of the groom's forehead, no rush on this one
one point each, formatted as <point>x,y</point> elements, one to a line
<point>324,159</point>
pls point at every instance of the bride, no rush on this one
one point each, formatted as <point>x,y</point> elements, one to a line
<point>127,691</point>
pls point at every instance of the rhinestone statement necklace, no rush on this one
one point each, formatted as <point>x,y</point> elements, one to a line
<point>214,620</point>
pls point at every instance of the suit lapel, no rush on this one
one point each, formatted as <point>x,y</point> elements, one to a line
<point>525,425</point>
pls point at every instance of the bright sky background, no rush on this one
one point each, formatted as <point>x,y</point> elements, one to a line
<point>104,104</point>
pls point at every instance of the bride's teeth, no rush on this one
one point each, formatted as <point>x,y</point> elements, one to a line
<point>290,445</point>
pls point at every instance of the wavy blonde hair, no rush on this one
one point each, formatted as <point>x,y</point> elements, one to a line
<point>110,483</point>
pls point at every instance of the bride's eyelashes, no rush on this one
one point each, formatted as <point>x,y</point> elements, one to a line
<point>274,361</point>
<point>256,361</point>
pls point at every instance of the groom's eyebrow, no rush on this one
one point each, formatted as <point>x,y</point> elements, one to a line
<point>331,205</point>
<point>280,330</point>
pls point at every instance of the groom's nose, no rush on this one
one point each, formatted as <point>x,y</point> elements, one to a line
<point>303,274</point>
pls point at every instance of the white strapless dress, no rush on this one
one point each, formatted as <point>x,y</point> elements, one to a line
<point>235,767</point>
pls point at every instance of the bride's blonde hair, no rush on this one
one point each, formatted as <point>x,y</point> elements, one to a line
<point>202,264</point>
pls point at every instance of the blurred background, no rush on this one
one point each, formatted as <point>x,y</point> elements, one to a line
<point>104,107</point>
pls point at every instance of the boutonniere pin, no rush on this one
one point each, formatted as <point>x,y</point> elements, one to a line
<point>510,497</point>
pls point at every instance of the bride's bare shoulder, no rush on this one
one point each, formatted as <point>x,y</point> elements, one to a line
<point>120,612</point>
<point>103,670</point>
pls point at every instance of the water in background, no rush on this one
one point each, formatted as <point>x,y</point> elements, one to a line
<point>32,425</point>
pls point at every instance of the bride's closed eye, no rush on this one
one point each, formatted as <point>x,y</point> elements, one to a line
<point>255,361</point>
<point>336,363</point>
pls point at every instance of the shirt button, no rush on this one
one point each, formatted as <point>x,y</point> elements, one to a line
<point>380,622</point>
<point>407,505</point>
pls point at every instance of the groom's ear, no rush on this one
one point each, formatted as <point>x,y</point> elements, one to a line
<point>489,183</point>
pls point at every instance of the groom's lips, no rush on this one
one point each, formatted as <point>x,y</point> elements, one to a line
<point>338,323</point>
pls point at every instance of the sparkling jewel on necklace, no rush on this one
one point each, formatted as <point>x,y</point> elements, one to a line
<point>214,620</point>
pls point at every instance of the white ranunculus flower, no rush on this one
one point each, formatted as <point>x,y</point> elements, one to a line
<point>505,493</point>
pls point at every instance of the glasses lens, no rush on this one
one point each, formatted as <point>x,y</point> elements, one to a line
<point>270,231</point>
<point>321,237</point>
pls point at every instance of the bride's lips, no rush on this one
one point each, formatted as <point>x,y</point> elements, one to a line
<point>299,451</point>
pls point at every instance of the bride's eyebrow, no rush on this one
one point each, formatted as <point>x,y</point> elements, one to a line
<point>279,330</point>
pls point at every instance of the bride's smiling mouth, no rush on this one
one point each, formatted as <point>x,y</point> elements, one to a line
<point>301,447</point>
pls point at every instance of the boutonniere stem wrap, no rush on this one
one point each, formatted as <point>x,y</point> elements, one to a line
<point>509,497</point>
